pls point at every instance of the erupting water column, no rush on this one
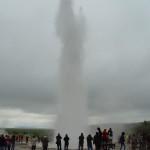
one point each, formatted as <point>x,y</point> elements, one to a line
<point>72,117</point>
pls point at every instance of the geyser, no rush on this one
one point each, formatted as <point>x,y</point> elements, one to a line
<point>72,117</point>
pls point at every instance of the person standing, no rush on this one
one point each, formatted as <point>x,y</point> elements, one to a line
<point>5,142</point>
<point>99,137</point>
<point>21,138</point>
<point>27,139</point>
<point>89,142</point>
<point>66,142</point>
<point>110,135</point>
<point>2,139</point>
<point>58,141</point>
<point>13,141</point>
<point>8,142</point>
<point>2,142</point>
<point>45,143</point>
<point>97,141</point>
<point>81,141</point>
<point>33,143</point>
<point>105,136</point>
<point>122,141</point>
<point>105,139</point>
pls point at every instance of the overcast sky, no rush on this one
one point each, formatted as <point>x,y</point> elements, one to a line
<point>115,64</point>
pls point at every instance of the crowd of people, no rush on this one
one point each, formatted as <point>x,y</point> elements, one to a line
<point>138,141</point>
<point>102,140</point>
<point>7,142</point>
<point>134,142</point>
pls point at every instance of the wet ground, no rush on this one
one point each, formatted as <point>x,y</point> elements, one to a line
<point>28,147</point>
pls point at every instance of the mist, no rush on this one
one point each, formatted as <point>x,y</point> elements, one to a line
<point>115,60</point>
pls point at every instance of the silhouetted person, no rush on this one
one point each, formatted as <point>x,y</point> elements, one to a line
<point>2,142</point>
<point>45,143</point>
<point>58,141</point>
<point>99,137</point>
<point>105,136</point>
<point>110,134</point>
<point>99,132</point>
<point>8,142</point>
<point>21,138</point>
<point>5,142</point>
<point>66,142</point>
<point>27,139</point>
<point>122,141</point>
<point>13,141</point>
<point>81,141</point>
<point>89,142</point>
<point>97,141</point>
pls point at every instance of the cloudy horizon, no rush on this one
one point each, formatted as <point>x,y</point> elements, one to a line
<point>116,61</point>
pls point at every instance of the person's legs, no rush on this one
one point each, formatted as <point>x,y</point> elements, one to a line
<point>34,147</point>
<point>60,146</point>
<point>96,147</point>
<point>8,147</point>
<point>82,147</point>
<point>121,147</point>
<point>45,148</point>
<point>13,147</point>
<point>67,147</point>
<point>91,147</point>
<point>124,146</point>
<point>1,147</point>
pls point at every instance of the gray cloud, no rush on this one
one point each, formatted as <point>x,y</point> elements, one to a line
<point>116,60</point>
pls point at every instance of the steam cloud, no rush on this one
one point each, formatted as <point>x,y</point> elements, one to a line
<point>73,111</point>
